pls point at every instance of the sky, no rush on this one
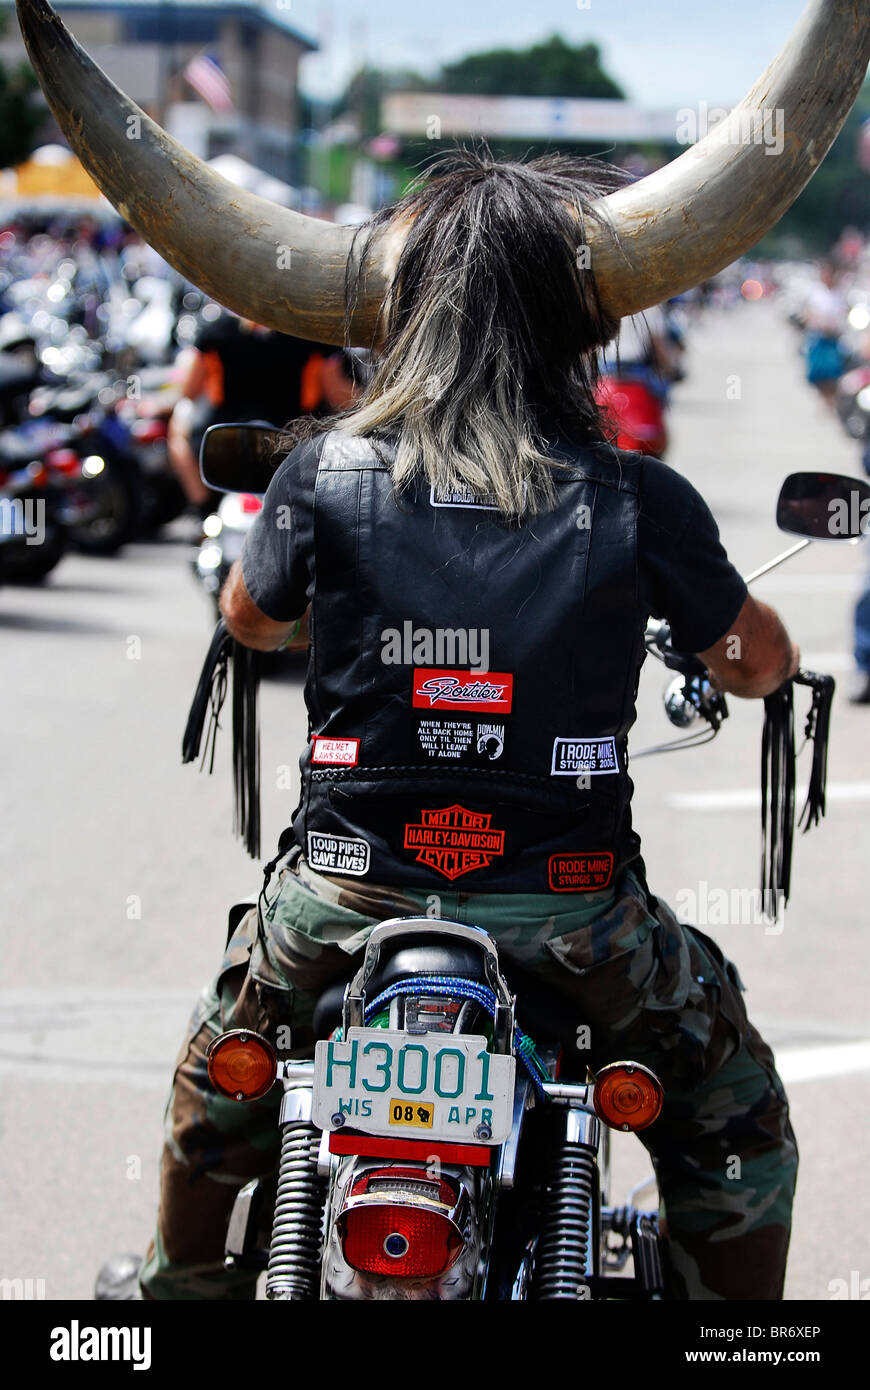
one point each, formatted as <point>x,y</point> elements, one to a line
<point>663,52</point>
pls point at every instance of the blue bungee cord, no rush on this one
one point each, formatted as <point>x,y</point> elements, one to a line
<point>463,989</point>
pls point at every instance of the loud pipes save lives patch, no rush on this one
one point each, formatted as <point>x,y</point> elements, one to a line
<point>453,840</point>
<point>580,873</point>
<point>338,854</point>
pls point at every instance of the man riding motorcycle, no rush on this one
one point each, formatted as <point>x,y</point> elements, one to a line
<point>473,476</point>
<point>480,567</point>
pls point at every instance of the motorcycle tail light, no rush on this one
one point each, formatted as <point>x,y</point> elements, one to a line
<point>627,1095</point>
<point>63,461</point>
<point>249,503</point>
<point>242,1065</point>
<point>401,1241</point>
<point>148,431</point>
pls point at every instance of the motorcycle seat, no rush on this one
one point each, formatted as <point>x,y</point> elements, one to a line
<point>543,1012</point>
<point>416,954</point>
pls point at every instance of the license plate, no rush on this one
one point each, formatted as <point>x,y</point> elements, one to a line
<point>440,1086</point>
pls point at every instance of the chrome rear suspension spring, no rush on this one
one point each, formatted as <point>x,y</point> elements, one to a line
<point>294,1255</point>
<point>563,1248</point>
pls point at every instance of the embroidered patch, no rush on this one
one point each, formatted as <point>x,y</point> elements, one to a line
<point>580,873</point>
<point>338,854</point>
<point>461,740</point>
<point>592,755</point>
<point>462,497</point>
<point>453,840</point>
<point>339,752</point>
<point>463,690</point>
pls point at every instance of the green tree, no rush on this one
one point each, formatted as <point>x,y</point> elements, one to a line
<point>837,196</point>
<point>20,116</point>
<point>550,69</point>
<point>367,88</point>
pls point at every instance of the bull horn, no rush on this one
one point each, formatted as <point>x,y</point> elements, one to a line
<point>265,262</point>
<point>683,223</point>
<point>663,234</point>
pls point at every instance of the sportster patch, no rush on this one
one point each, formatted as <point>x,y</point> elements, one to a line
<point>338,752</point>
<point>463,690</point>
<point>338,854</point>
<point>592,755</point>
<point>580,873</point>
<point>453,840</point>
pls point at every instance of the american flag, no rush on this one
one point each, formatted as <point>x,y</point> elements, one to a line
<point>208,80</point>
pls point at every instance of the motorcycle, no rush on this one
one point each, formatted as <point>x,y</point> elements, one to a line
<point>32,531</point>
<point>112,451</point>
<point>447,1140</point>
<point>852,403</point>
<point>636,410</point>
<point>224,532</point>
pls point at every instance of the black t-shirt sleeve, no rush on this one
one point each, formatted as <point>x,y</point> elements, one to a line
<point>685,575</point>
<point>212,337</point>
<point>278,554</point>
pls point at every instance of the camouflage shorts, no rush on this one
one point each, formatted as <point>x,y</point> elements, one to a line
<point>642,984</point>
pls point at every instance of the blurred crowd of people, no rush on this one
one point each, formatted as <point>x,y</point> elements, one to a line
<point>830,303</point>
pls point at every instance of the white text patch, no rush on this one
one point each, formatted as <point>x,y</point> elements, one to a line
<point>338,854</point>
<point>590,755</point>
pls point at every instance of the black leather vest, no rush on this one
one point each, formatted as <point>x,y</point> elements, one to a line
<point>471,682</point>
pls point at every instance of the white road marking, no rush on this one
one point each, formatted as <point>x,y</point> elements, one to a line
<point>40,1029</point>
<point>816,1063</point>
<point>743,798</point>
<point>810,583</point>
<point>828,663</point>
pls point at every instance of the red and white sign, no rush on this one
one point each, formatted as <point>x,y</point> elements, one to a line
<point>466,690</point>
<point>337,752</point>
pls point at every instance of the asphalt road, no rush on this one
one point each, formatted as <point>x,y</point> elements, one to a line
<point>118,865</point>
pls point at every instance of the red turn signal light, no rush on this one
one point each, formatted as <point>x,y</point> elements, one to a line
<point>627,1095</point>
<point>242,1065</point>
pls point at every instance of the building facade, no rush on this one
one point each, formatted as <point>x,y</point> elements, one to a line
<point>145,45</point>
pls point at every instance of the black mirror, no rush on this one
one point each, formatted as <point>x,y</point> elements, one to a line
<point>239,458</point>
<point>824,506</point>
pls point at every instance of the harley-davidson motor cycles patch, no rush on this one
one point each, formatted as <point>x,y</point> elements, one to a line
<point>453,840</point>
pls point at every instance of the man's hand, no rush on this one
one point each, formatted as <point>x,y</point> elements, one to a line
<point>248,624</point>
<point>755,657</point>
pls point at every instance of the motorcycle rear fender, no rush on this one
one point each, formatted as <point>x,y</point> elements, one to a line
<point>340,1282</point>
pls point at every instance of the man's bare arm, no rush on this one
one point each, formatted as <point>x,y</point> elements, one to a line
<point>249,624</point>
<point>755,656</point>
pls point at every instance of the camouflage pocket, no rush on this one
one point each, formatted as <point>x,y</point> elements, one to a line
<point>650,989</point>
<point>700,1020</point>
<point>608,969</point>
